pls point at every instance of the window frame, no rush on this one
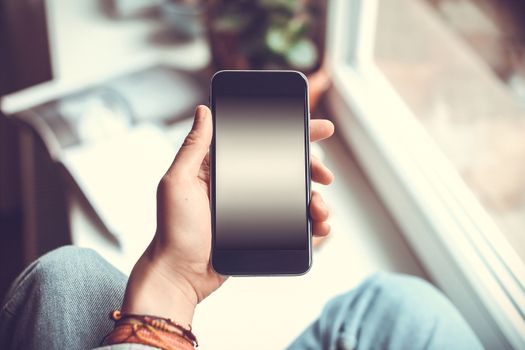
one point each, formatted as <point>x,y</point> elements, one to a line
<point>469,259</point>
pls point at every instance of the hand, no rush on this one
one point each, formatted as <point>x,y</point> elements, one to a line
<point>174,274</point>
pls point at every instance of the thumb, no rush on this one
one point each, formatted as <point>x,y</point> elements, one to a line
<point>195,147</point>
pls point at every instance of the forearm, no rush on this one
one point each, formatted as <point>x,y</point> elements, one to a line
<point>152,290</point>
<point>157,310</point>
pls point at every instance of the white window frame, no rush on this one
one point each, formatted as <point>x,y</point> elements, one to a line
<point>461,248</point>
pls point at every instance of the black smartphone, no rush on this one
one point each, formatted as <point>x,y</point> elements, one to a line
<point>260,173</point>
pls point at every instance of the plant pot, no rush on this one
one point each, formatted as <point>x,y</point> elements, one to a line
<point>225,52</point>
<point>225,55</point>
<point>318,82</point>
<point>229,47</point>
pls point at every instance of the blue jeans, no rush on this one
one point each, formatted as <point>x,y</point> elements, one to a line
<point>62,301</point>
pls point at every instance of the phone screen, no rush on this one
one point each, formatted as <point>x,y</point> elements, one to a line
<point>261,190</point>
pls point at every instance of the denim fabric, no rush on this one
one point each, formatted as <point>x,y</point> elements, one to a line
<point>63,300</point>
<point>389,311</point>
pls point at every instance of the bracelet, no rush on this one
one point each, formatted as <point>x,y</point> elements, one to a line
<point>150,330</point>
<point>137,334</point>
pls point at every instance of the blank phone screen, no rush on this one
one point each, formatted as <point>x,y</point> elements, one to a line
<point>260,173</point>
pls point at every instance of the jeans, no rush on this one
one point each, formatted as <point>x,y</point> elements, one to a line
<point>62,301</point>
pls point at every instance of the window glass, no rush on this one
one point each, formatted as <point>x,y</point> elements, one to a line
<point>460,66</point>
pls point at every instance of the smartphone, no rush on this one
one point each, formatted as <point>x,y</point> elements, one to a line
<point>260,173</point>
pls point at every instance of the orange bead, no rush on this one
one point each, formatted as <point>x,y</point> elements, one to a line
<point>116,315</point>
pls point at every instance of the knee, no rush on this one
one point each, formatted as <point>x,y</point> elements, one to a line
<point>393,300</point>
<point>408,300</point>
<point>73,267</point>
<point>413,309</point>
<point>56,276</point>
<point>391,296</point>
<point>404,291</point>
<point>67,255</point>
<point>397,311</point>
<point>65,262</point>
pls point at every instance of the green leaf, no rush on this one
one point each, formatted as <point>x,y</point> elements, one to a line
<point>276,40</point>
<point>289,5</point>
<point>302,54</point>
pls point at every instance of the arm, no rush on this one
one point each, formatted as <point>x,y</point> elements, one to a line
<point>174,274</point>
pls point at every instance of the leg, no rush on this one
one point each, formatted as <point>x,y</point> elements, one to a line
<point>61,301</point>
<point>389,312</point>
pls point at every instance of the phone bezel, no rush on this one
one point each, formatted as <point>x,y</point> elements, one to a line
<point>261,262</point>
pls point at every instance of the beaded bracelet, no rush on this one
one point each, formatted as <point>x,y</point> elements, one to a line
<point>150,330</point>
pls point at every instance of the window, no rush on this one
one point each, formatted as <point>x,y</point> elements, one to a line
<point>478,122</point>
<point>442,137</point>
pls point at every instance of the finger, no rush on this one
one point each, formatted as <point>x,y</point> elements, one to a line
<point>195,147</point>
<point>320,173</point>
<point>321,129</point>
<point>318,209</point>
<point>320,228</point>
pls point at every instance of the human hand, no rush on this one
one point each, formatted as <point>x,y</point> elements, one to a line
<point>174,274</point>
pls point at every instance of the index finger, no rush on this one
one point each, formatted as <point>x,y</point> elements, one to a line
<point>320,129</point>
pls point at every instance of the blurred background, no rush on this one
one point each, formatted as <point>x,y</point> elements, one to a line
<point>428,98</point>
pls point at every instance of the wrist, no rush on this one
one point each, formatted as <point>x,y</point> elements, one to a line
<point>153,291</point>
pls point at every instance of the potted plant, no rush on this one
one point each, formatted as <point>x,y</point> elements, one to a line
<point>270,34</point>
